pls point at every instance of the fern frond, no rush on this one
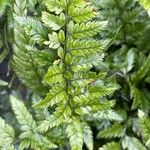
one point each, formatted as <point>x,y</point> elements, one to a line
<point>61,115</point>
<point>75,92</point>
<point>33,27</point>
<point>29,137</point>
<point>145,129</point>
<point>7,136</point>
<point>132,143</point>
<point>82,48</point>
<point>142,72</point>
<point>53,41</point>
<point>54,75</point>
<point>81,14</point>
<point>20,7</point>
<point>112,145</point>
<point>24,63</point>
<point>120,14</point>
<point>75,134</point>
<point>113,131</point>
<point>56,6</point>
<point>108,115</point>
<point>86,63</point>
<point>88,136</point>
<point>56,95</point>
<point>84,30</point>
<point>52,21</point>
<point>139,99</point>
<point>23,116</point>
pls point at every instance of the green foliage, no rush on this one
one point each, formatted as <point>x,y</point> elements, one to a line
<point>120,14</point>
<point>145,4</point>
<point>76,91</point>
<point>115,130</point>
<point>88,137</point>
<point>6,136</point>
<point>112,145</point>
<point>3,5</point>
<point>144,125</point>
<point>29,136</point>
<point>3,83</point>
<point>132,143</point>
<point>29,32</point>
<point>127,57</point>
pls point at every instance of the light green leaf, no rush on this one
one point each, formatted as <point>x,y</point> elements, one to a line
<point>52,21</point>
<point>132,143</point>
<point>56,95</point>
<point>112,145</point>
<point>7,135</point>
<point>88,136</point>
<point>75,135</point>
<point>3,83</point>
<point>113,131</point>
<point>53,41</point>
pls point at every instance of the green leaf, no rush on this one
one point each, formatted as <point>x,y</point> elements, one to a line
<point>60,116</point>
<point>3,83</point>
<point>53,41</point>
<point>88,136</point>
<point>7,135</point>
<point>56,6</point>
<point>33,27</point>
<point>142,72</point>
<point>3,5</point>
<point>52,21</point>
<point>86,63</point>
<point>54,75</point>
<point>61,36</point>
<point>75,135</point>
<point>81,14</point>
<point>145,129</point>
<point>108,115</point>
<point>24,144</point>
<point>113,131</point>
<point>82,48</point>
<point>131,143</point>
<point>29,136</point>
<point>145,4</point>
<point>139,99</point>
<point>56,95</point>
<point>22,114</point>
<point>111,145</point>
<point>84,30</point>
<point>129,61</point>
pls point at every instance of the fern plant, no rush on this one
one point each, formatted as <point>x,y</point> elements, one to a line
<point>127,58</point>
<point>76,91</point>
<point>125,16</point>
<point>144,122</point>
<point>64,47</point>
<point>28,59</point>
<point>7,136</point>
<point>29,137</point>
